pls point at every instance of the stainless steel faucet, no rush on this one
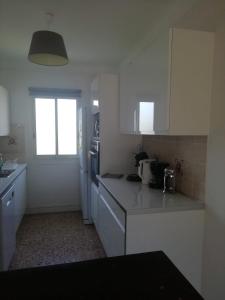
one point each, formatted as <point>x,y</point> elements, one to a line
<point>169,181</point>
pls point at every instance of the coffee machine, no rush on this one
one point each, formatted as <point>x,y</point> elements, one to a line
<point>157,170</point>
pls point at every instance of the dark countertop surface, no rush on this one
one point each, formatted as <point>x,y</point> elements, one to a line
<point>149,276</point>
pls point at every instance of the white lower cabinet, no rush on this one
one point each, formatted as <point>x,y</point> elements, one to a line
<point>20,198</point>
<point>94,203</point>
<point>12,209</point>
<point>7,228</point>
<point>178,233</point>
<point>111,224</point>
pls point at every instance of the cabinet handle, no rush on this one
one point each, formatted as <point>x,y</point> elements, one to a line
<point>93,153</point>
<point>13,193</point>
<point>112,214</point>
<point>8,203</point>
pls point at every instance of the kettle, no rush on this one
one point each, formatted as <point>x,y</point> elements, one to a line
<point>144,170</point>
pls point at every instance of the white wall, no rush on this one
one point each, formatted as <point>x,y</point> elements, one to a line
<point>214,246</point>
<point>52,185</point>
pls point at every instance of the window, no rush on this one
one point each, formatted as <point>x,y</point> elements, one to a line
<point>146,117</point>
<point>56,126</point>
<point>95,103</point>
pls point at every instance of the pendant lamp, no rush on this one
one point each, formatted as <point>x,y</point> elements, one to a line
<point>47,48</point>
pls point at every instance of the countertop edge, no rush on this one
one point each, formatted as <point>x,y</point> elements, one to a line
<point>102,182</point>
<point>8,181</point>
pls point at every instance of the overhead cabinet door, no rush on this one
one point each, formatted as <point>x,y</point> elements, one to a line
<point>4,112</point>
<point>166,88</point>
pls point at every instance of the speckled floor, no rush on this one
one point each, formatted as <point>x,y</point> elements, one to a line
<point>49,239</point>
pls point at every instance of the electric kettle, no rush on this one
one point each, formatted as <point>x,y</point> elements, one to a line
<point>144,170</point>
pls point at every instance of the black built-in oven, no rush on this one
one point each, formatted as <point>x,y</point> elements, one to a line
<point>95,160</point>
<point>96,127</point>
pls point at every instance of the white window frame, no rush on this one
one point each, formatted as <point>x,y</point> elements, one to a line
<point>53,157</point>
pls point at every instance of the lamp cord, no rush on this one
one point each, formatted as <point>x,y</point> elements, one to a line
<point>49,19</point>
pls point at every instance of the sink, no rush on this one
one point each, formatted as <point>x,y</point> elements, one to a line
<point>6,173</point>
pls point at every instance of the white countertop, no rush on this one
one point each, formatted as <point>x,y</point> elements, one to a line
<point>5,182</point>
<point>136,198</point>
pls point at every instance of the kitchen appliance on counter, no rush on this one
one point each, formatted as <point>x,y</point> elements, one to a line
<point>138,157</point>
<point>144,170</point>
<point>133,178</point>
<point>169,180</point>
<point>157,169</point>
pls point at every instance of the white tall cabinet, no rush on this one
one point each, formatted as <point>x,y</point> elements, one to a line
<point>166,88</point>
<point>4,112</point>
<point>116,149</point>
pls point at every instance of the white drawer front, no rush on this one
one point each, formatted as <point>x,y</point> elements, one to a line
<point>110,230</point>
<point>117,210</point>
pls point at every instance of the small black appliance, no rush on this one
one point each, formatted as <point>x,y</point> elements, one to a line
<point>157,168</point>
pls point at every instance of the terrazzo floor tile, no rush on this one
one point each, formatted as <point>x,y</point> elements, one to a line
<point>49,239</point>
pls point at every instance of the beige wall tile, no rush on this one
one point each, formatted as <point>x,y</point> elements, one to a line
<point>192,151</point>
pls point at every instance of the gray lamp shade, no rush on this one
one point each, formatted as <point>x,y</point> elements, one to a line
<point>47,48</point>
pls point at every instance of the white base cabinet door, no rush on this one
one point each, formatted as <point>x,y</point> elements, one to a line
<point>166,88</point>
<point>110,228</point>
<point>7,228</point>
<point>178,234</point>
<point>20,197</point>
<point>94,203</point>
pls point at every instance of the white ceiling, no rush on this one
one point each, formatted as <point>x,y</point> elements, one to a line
<point>204,15</point>
<point>95,31</point>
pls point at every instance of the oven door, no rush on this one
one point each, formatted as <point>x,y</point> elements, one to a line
<point>94,157</point>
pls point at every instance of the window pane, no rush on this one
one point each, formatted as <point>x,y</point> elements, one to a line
<point>67,126</point>
<point>146,117</point>
<point>45,126</point>
<point>96,103</point>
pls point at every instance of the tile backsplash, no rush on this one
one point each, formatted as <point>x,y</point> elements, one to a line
<point>191,151</point>
<point>13,146</point>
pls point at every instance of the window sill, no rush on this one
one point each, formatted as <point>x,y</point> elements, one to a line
<point>55,159</point>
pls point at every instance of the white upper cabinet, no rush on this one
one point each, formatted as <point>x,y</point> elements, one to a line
<point>166,88</point>
<point>4,112</point>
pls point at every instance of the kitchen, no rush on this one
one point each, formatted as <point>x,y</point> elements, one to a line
<point>178,131</point>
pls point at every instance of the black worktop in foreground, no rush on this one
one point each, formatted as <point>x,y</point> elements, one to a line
<point>149,276</point>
